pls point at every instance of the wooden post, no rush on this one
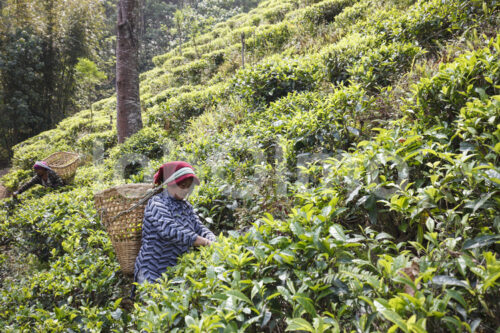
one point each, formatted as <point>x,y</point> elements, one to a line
<point>242,49</point>
<point>91,114</point>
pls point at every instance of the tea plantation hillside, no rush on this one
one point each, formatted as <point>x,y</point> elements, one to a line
<point>350,168</point>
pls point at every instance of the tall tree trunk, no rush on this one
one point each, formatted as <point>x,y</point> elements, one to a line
<point>128,107</point>
<point>48,107</point>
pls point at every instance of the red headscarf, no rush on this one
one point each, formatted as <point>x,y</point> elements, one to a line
<point>167,170</point>
<point>41,165</point>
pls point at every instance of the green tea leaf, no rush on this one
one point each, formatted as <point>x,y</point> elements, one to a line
<point>480,241</point>
<point>239,295</point>
<point>307,303</point>
<point>448,280</point>
<point>391,315</point>
<point>299,324</point>
<point>337,232</point>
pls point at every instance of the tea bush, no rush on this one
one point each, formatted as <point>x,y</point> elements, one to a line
<point>94,173</point>
<point>471,75</point>
<point>172,115</point>
<point>341,56</point>
<point>78,288</point>
<point>430,21</point>
<point>216,58</point>
<point>382,66</point>
<point>350,15</point>
<point>324,11</point>
<point>41,233</point>
<point>190,54</point>
<point>171,61</point>
<point>166,94</point>
<point>37,148</point>
<point>149,141</point>
<point>235,36</point>
<point>275,78</point>
<point>313,123</point>
<point>191,73</point>
<point>296,274</point>
<point>213,208</point>
<point>16,178</point>
<point>269,38</point>
<point>476,127</point>
<point>92,143</point>
<point>277,14</point>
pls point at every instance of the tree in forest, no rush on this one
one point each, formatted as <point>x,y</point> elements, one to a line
<point>21,84</point>
<point>88,77</point>
<point>40,44</point>
<point>179,22</point>
<point>156,37</point>
<point>128,107</point>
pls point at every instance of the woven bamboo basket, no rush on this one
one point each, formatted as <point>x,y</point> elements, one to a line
<point>123,224</point>
<point>64,164</point>
<point>4,192</point>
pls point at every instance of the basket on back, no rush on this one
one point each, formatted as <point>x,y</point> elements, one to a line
<point>64,164</point>
<point>122,220</point>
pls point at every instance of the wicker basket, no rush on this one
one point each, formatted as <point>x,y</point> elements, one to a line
<point>124,227</point>
<point>4,192</point>
<point>64,164</point>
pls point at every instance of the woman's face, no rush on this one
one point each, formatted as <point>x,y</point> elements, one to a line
<point>181,190</point>
<point>40,172</point>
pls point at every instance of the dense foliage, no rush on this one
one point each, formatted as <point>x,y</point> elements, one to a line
<point>351,169</point>
<point>41,44</point>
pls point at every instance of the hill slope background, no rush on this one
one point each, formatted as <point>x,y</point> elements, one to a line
<point>351,167</point>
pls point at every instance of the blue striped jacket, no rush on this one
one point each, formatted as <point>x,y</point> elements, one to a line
<point>169,229</point>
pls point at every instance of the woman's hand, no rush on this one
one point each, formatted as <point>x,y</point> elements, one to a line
<point>202,241</point>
